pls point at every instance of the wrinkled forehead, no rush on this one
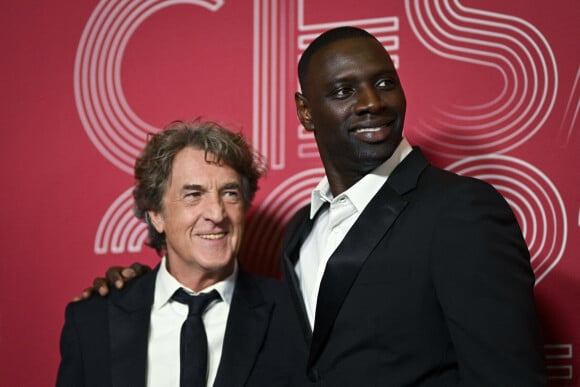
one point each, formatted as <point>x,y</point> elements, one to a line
<point>194,163</point>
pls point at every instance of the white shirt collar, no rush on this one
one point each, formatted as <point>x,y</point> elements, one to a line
<point>166,285</point>
<point>366,188</point>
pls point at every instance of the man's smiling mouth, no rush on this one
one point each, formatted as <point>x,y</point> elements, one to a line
<point>366,130</point>
<point>373,127</point>
<point>373,134</point>
<point>213,236</point>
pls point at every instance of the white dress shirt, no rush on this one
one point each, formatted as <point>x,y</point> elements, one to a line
<point>331,226</point>
<point>167,316</point>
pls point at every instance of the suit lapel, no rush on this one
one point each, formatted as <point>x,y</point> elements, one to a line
<point>346,262</point>
<point>129,317</point>
<point>298,230</point>
<point>246,329</point>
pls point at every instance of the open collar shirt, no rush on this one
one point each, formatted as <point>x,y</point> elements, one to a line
<point>333,223</point>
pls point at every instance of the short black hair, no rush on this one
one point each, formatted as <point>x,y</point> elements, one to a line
<point>323,40</point>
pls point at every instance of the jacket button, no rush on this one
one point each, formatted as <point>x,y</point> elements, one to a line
<point>313,375</point>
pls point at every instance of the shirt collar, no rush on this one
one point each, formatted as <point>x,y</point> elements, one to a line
<point>166,285</point>
<point>365,189</point>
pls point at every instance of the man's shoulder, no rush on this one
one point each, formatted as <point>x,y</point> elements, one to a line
<point>88,311</point>
<point>97,305</point>
<point>446,180</point>
<point>429,172</point>
<point>265,284</point>
<point>260,288</point>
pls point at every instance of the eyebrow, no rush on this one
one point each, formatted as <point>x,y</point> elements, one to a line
<point>192,187</point>
<point>348,78</point>
<point>199,187</point>
<point>231,185</point>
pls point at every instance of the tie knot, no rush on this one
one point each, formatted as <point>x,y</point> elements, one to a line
<point>197,303</point>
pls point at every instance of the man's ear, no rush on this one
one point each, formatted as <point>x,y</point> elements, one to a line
<point>157,221</point>
<point>303,111</point>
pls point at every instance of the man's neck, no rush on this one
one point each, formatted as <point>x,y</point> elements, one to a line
<point>195,278</point>
<point>340,181</point>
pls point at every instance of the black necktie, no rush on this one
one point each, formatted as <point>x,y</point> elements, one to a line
<point>193,347</point>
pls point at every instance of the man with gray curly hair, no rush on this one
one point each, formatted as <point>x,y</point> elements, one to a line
<point>194,183</point>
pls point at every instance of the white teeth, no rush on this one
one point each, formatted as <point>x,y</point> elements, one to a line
<point>365,130</point>
<point>212,236</point>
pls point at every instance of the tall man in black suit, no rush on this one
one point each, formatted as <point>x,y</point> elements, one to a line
<point>402,274</point>
<point>194,184</point>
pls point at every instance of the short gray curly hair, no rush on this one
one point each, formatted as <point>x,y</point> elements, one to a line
<point>153,166</point>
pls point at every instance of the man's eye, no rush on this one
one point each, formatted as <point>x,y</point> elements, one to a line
<point>232,196</point>
<point>342,93</point>
<point>386,83</point>
<point>192,195</point>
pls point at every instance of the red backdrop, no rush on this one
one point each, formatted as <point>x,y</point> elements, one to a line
<point>492,87</point>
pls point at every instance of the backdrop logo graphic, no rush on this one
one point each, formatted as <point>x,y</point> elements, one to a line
<point>571,112</point>
<point>120,230</point>
<point>115,130</point>
<point>507,44</point>
<point>510,46</point>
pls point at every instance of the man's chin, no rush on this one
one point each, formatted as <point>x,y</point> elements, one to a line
<point>219,268</point>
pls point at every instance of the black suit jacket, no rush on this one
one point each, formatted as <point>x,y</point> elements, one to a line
<point>432,286</point>
<point>104,340</point>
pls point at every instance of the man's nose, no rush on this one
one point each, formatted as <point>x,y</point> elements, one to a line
<point>369,101</point>
<point>214,208</point>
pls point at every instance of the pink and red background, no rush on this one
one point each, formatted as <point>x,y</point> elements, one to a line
<point>493,91</point>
